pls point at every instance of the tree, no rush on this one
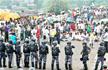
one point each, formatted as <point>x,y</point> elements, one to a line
<point>56,6</point>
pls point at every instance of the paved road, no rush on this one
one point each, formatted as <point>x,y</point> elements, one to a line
<point>76,63</point>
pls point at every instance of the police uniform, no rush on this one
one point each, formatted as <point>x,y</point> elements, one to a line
<point>55,56</point>
<point>43,50</point>
<point>101,54</point>
<point>68,55</point>
<point>33,52</point>
<point>26,50</point>
<point>10,50</point>
<point>85,53</point>
<point>2,53</point>
<point>18,53</point>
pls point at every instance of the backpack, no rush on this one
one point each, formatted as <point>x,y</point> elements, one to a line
<point>68,51</point>
<point>54,51</point>
<point>101,51</point>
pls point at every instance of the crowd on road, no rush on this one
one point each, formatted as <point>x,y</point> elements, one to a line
<point>77,24</point>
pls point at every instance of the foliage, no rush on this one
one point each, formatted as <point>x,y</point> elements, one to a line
<point>56,6</point>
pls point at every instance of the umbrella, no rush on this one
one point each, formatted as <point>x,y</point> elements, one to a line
<point>3,14</point>
<point>11,15</point>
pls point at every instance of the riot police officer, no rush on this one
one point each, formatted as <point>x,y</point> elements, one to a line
<point>2,53</point>
<point>101,53</point>
<point>10,50</point>
<point>55,55</point>
<point>18,53</point>
<point>26,50</point>
<point>68,55</point>
<point>43,51</point>
<point>33,52</point>
<point>85,52</point>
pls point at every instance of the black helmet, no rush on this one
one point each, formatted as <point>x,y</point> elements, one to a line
<point>18,42</point>
<point>43,42</point>
<point>84,43</point>
<point>27,40</point>
<point>1,39</point>
<point>69,42</point>
<point>10,41</point>
<point>55,43</point>
<point>102,43</point>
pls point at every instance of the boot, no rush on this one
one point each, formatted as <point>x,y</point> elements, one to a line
<point>66,66</point>
<point>4,64</point>
<point>86,68</point>
<point>32,64</point>
<point>27,64</point>
<point>18,65</point>
<point>10,65</point>
<point>52,67</point>
<point>57,65</point>
<point>96,67</point>
<point>39,65</point>
<point>36,66</point>
<point>44,66</point>
<point>0,64</point>
<point>70,68</point>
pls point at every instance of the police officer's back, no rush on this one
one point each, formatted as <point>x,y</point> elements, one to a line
<point>26,50</point>
<point>68,55</point>
<point>101,53</point>
<point>55,55</point>
<point>18,53</point>
<point>43,51</point>
<point>10,50</point>
<point>33,52</point>
<point>2,53</point>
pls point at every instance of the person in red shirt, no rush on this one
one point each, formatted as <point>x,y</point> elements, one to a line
<point>73,26</point>
<point>38,35</point>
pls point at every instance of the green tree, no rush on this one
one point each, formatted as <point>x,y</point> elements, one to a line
<point>56,6</point>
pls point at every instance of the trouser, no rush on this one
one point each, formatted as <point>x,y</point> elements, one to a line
<point>10,56</point>
<point>42,58</point>
<point>34,55</point>
<point>58,40</point>
<point>55,58</point>
<point>99,59</point>
<point>106,45</point>
<point>84,59</point>
<point>18,58</point>
<point>6,36</point>
<point>51,40</point>
<point>38,41</point>
<point>2,56</point>
<point>22,36</point>
<point>26,59</point>
<point>68,61</point>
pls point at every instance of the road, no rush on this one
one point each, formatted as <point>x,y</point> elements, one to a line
<point>76,63</point>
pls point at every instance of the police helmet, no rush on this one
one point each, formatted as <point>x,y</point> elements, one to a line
<point>18,42</point>
<point>27,40</point>
<point>43,42</point>
<point>84,43</point>
<point>69,42</point>
<point>102,43</point>
<point>1,39</point>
